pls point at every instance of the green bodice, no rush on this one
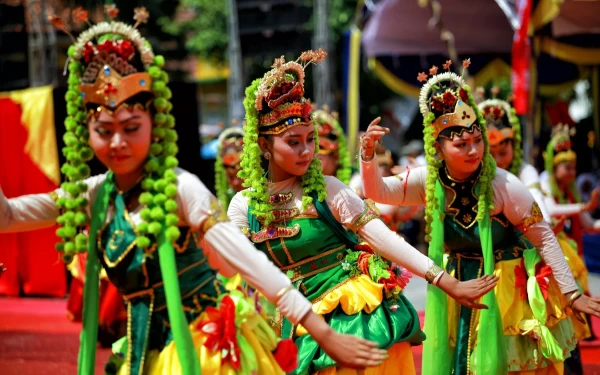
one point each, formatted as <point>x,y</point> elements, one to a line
<point>136,274</point>
<point>313,254</point>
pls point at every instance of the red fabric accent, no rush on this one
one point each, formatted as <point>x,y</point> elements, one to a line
<point>32,263</point>
<point>521,51</point>
<point>558,113</point>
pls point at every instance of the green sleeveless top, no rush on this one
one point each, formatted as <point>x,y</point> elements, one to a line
<point>136,274</point>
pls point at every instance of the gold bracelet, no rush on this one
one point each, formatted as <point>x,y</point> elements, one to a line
<point>573,298</point>
<point>432,273</point>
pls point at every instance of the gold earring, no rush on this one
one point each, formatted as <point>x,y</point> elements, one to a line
<point>267,155</point>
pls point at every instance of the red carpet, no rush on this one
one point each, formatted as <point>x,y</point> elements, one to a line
<point>37,338</point>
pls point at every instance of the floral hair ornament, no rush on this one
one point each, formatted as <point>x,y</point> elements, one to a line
<point>561,144</point>
<point>445,96</point>
<point>497,115</point>
<point>280,98</point>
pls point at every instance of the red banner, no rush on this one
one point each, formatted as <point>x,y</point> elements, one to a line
<point>521,54</point>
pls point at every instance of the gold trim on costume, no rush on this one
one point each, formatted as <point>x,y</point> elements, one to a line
<point>53,195</point>
<point>369,213</point>
<point>535,217</point>
<point>215,215</point>
<point>432,273</point>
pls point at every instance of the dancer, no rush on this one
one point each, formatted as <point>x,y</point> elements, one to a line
<point>475,214</point>
<point>227,164</point>
<point>333,148</point>
<point>147,220</point>
<point>300,220</point>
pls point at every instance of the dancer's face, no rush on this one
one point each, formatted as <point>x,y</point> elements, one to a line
<point>232,178</point>
<point>462,154</point>
<point>291,151</point>
<point>565,173</point>
<point>121,141</point>
<point>503,153</point>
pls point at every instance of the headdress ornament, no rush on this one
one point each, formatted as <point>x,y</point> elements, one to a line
<point>231,145</point>
<point>329,130</point>
<point>497,113</point>
<point>445,96</point>
<point>109,64</point>
<point>561,144</point>
<point>280,98</point>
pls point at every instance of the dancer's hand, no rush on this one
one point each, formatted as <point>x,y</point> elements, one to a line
<point>467,292</point>
<point>559,225</point>
<point>370,139</point>
<point>353,352</point>
<point>587,305</point>
<point>346,350</point>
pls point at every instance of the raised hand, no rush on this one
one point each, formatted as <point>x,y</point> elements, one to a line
<point>594,201</point>
<point>467,292</point>
<point>370,139</point>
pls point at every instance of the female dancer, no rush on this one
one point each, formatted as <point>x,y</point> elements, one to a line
<point>147,220</point>
<point>227,165</point>
<point>476,214</point>
<point>333,149</point>
<point>300,220</point>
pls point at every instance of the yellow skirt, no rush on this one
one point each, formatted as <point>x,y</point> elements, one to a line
<point>399,361</point>
<point>166,361</point>
<point>523,354</point>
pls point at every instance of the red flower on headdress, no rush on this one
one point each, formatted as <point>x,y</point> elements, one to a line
<point>448,99</point>
<point>88,52</point>
<point>446,66</point>
<point>433,71</point>
<point>141,14</point>
<point>56,21</point>
<point>497,111</point>
<point>464,95</point>
<point>286,355</point>
<point>466,63</point>
<point>111,10</point>
<point>422,77</point>
<point>107,46</point>
<point>79,15</point>
<point>125,49</point>
<point>436,104</point>
<point>221,331</point>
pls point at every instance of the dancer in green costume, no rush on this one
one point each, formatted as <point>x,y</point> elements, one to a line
<point>476,215</point>
<point>147,219</point>
<point>300,220</point>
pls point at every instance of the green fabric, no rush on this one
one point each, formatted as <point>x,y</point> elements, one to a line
<point>490,337</point>
<point>394,321</point>
<point>437,356</point>
<point>523,353</point>
<point>91,293</point>
<point>190,364</point>
<point>548,344</point>
<point>436,350</point>
<point>128,277</point>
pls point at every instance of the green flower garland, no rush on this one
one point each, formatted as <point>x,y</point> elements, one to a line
<point>254,175</point>
<point>160,189</point>
<point>221,185</point>
<point>549,167</point>
<point>517,162</point>
<point>486,194</point>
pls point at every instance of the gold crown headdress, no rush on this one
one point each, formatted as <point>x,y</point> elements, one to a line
<point>280,96</point>
<point>561,144</point>
<point>109,78</point>
<point>444,95</point>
